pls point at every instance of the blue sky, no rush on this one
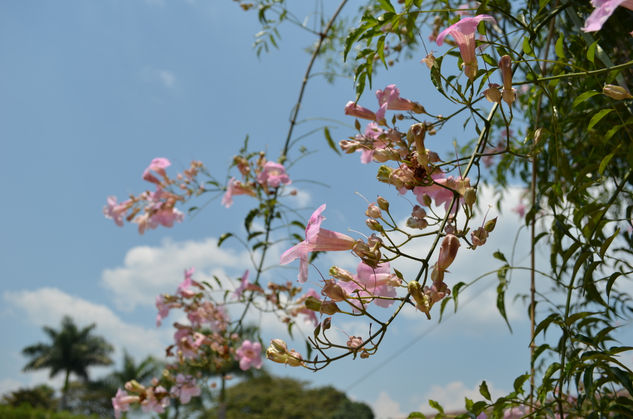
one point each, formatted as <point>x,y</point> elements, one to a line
<point>91,91</point>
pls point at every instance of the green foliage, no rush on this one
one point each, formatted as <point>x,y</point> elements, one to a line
<point>272,397</point>
<point>28,412</point>
<point>39,396</point>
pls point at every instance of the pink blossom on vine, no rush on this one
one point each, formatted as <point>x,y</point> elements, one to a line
<point>354,342</point>
<point>390,99</point>
<point>352,109</point>
<point>603,10</point>
<point>317,240</point>
<point>372,133</point>
<point>448,251</point>
<point>249,355</point>
<point>163,309</point>
<point>121,402</point>
<point>115,210</point>
<point>464,34</point>
<point>158,165</point>
<point>520,209</point>
<point>156,400</point>
<point>235,187</point>
<point>185,388</point>
<point>243,285</point>
<point>273,175</point>
<point>378,283</point>
<point>441,191</point>
<point>184,288</point>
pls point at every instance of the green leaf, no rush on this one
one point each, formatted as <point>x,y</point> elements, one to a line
<point>584,96</point>
<point>527,48</point>
<point>597,117</point>
<point>386,5</point>
<point>519,382</point>
<point>329,140</point>
<point>435,405</point>
<point>483,390</point>
<point>591,51</point>
<point>607,243</point>
<point>605,161</point>
<point>500,256</point>
<point>224,237</point>
<point>560,50</point>
<point>611,281</point>
<point>416,415</point>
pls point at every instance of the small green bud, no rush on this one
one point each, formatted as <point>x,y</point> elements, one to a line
<point>383,204</point>
<point>490,225</point>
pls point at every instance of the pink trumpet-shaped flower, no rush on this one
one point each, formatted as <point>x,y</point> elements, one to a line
<point>317,240</point>
<point>273,175</point>
<point>115,210</point>
<point>373,282</point>
<point>121,402</point>
<point>390,99</point>
<point>243,285</point>
<point>353,109</point>
<point>464,34</point>
<point>184,287</point>
<point>158,165</point>
<point>249,355</point>
<point>603,9</point>
<point>235,187</point>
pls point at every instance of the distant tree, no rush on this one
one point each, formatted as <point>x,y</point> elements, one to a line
<point>39,396</point>
<point>266,396</point>
<point>71,350</point>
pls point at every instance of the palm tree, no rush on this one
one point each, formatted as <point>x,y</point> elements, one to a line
<point>71,350</point>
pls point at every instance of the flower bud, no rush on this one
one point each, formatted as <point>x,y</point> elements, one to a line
<point>374,225</point>
<point>334,291</point>
<point>426,200</point>
<point>383,204</point>
<point>448,251</point>
<point>295,359</point>
<point>373,211</point>
<point>616,92</point>
<point>470,196</point>
<point>341,274</point>
<point>492,93</point>
<point>419,223</point>
<point>354,342</point>
<point>505,66</point>
<point>490,225</point>
<point>329,308</point>
<point>279,345</point>
<point>364,354</point>
<point>418,212</point>
<point>273,355</point>
<point>313,304</point>
<point>384,174</point>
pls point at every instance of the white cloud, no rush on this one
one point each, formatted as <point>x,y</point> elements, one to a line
<point>148,271</point>
<point>451,396</point>
<point>47,306</point>
<point>159,75</point>
<point>386,408</point>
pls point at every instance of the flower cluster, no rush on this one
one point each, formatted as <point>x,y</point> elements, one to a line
<point>260,175</point>
<point>153,208</point>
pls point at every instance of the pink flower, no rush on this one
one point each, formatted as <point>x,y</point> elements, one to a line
<point>390,99</point>
<point>185,388</point>
<point>249,355</point>
<point>373,283</point>
<point>115,210</point>
<point>235,187</point>
<point>441,191</point>
<point>464,34</point>
<point>353,109</point>
<point>184,287</point>
<point>273,175</point>
<point>158,165</point>
<point>317,240</point>
<point>448,251</point>
<point>156,400</point>
<point>354,342</point>
<point>372,133</point>
<point>163,309</point>
<point>520,209</point>
<point>121,402</point>
<point>603,9</point>
<point>243,285</point>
